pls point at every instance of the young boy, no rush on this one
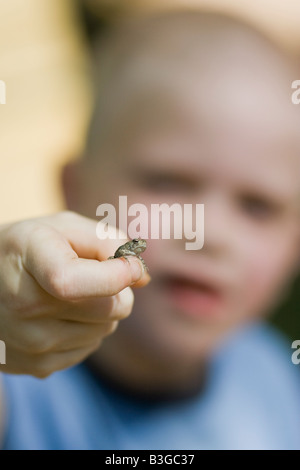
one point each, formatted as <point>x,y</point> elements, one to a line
<point>192,108</point>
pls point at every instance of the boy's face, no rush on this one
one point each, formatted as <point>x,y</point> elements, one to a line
<point>230,149</point>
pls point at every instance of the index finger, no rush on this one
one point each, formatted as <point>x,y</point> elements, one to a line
<point>58,269</point>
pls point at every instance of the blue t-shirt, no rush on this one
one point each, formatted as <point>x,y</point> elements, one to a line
<point>251,401</point>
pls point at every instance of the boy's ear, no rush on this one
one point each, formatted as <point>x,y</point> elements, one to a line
<point>70,185</point>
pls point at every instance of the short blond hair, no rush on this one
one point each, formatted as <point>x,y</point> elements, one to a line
<point>144,55</point>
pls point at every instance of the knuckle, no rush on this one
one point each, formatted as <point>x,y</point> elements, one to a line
<point>16,233</point>
<point>34,229</point>
<point>92,347</point>
<point>65,216</point>
<point>44,366</point>
<point>123,305</point>
<point>42,371</point>
<point>37,343</point>
<point>121,314</point>
<point>60,286</point>
<point>126,310</point>
<point>68,213</point>
<point>109,328</point>
<point>17,230</point>
<point>56,281</point>
<point>24,309</point>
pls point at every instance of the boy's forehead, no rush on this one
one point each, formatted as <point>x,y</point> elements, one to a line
<point>219,85</point>
<point>160,45</point>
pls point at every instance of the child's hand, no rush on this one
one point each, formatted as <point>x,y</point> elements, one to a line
<point>57,301</point>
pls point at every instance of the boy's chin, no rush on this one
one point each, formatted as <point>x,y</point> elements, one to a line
<point>181,345</point>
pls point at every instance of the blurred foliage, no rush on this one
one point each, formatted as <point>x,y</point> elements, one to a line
<point>287,315</point>
<point>99,15</point>
<point>93,24</point>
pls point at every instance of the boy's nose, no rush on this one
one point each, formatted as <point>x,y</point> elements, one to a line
<point>218,226</point>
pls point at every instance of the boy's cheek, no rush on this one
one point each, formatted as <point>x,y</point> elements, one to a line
<point>267,272</point>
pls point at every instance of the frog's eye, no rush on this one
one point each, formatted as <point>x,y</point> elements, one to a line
<point>135,240</point>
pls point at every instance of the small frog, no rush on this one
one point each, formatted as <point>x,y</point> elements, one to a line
<point>132,248</point>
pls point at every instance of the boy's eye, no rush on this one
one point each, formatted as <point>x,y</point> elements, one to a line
<point>258,208</point>
<point>165,182</point>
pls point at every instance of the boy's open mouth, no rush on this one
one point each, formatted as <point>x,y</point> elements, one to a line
<point>198,299</point>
